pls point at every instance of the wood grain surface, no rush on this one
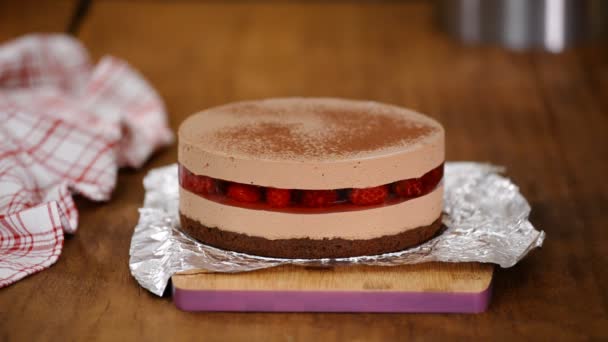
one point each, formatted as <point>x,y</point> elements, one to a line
<point>543,116</point>
<point>428,277</point>
<point>28,16</point>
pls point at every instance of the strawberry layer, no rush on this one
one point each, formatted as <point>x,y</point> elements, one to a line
<point>343,199</point>
<point>359,224</point>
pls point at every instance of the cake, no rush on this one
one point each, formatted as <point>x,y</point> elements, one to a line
<point>310,177</point>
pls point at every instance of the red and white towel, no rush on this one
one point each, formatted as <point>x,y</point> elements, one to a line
<point>66,126</point>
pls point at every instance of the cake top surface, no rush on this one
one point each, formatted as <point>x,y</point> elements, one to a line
<point>304,129</point>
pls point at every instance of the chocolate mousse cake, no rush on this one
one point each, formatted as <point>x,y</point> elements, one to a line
<point>310,177</point>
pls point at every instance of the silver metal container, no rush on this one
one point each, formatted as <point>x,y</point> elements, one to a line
<point>521,24</point>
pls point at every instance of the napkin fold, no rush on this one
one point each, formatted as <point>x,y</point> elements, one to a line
<point>66,126</point>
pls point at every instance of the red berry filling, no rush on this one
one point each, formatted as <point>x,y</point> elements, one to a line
<point>267,198</point>
<point>319,198</point>
<point>432,178</point>
<point>244,193</point>
<point>200,185</point>
<point>278,198</point>
<point>409,188</point>
<point>369,196</point>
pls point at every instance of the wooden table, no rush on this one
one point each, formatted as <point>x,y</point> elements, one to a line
<point>543,116</point>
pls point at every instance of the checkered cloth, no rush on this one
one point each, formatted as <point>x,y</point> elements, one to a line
<point>65,127</point>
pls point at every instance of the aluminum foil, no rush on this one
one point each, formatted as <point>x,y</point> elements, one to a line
<point>485,214</point>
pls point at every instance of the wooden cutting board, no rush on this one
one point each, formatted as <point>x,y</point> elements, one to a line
<point>431,287</point>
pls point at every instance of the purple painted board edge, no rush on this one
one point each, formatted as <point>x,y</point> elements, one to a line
<point>331,301</point>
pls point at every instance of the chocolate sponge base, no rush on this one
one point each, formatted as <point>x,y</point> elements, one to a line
<point>305,248</point>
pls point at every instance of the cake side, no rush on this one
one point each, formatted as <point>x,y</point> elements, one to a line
<point>311,177</point>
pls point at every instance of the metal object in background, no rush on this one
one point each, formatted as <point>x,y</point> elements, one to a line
<point>522,24</point>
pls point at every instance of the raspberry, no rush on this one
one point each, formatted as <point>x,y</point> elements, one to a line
<point>244,192</point>
<point>319,198</point>
<point>409,188</point>
<point>368,196</point>
<point>201,185</point>
<point>278,198</point>
<point>432,178</point>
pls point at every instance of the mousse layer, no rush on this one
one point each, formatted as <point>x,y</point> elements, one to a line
<point>356,225</point>
<point>310,143</point>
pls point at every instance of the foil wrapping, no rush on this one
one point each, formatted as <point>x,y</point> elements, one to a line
<point>485,214</point>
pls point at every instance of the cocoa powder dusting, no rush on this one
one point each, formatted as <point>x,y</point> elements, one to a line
<point>318,133</point>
